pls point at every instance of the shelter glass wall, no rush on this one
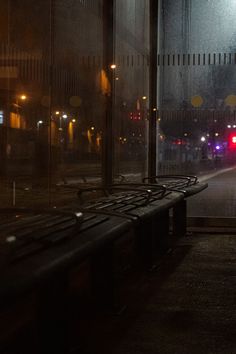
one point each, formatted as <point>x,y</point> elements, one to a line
<point>75,88</point>
<point>197,98</point>
<point>55,90</point>
<point>52,98</point>
<point>131,85</point>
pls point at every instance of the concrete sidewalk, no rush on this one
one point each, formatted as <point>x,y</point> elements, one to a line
<point>188,306</point>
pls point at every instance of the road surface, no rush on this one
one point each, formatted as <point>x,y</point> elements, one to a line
<point>219,199</point>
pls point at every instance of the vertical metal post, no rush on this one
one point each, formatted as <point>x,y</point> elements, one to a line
<point>161,232</point>
<point>180,219</point>
<point>108,60</point>
<point>51,92</point>
<point>152,155</point>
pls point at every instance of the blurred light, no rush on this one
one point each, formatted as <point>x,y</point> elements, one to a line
<point>154,109</point>
<point>117,78</point>
<point>196,101</point>
<point>216,134</point>
<point>125,139</point>
<point>217,147</point>
<point>208,135</point>
<point>113,66</point>
<point>57,112</point>
<point>92,128</point>
<point>232,141</point>
<point>203,138</point>
<point>144,97</point>
<point>10,238</point>
<point>185,134</point>
<point>229,126</point>
<point>39,123</point>
<point>1,117</point>
<point>234,126</point>
<point>64,116</point>
<point>23,97</point>
<point>73,120</point>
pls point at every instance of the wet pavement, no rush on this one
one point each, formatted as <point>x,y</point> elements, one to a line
<point>219,199</point>
<point>186,306</point>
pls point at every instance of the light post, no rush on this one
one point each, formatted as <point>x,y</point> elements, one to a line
<point>18,98</point>
<point>38,124</point>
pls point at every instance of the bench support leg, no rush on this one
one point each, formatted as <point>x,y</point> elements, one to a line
<point>180,219</point>
<point>161,232</point>
<point>143,244</point>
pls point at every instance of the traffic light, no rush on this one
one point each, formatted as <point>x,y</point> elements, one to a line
<point>232,141</point>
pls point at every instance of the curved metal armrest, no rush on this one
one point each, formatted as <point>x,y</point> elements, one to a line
<point>188,178</point>
<point>129,187</point>
<point>77,216</point>
<point>157,187</point>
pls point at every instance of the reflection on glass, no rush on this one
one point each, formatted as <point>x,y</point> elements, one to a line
<point>55,89</point>
<point>131,88</point>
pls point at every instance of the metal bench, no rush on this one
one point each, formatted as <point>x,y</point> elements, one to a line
<point>188,186</point>
<point>39,247</point>
<point>148,205</point>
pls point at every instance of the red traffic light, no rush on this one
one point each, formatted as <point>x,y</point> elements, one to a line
<point>232,141</point>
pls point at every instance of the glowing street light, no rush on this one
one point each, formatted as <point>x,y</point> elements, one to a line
<point>203,139</point>
<point>39,123</point>
<point>23,97</point>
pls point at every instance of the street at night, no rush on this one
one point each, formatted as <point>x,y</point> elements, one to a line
<point>117,176</point>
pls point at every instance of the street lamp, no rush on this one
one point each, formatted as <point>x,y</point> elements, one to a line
<point>39,123</point>
<point>19,97</point>
<point>22,97</point>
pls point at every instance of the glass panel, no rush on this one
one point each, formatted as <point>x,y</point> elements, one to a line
<point>51,98</point>
<point>24,108</point>
<point>77,94</point>
<point>196,64</point>
<point>131,87</point>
